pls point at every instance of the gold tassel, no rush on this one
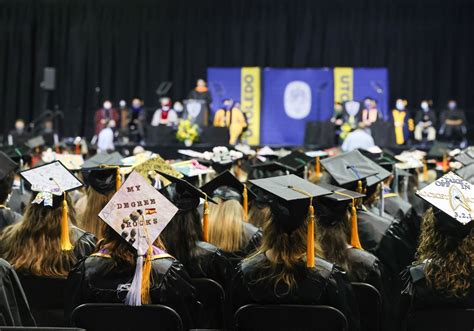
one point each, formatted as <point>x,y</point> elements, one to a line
<point>318,167</point>
<point>445,163</point>
<point>237,169</point>
<point>425,171</point>
<point>359,186</point>
<point>310,240</point>
<point>245,196</point>
<point>65,242</point>
<point>146,275</point>
<point>355,242</point>
<point>118,180</point>
<point>205,221</point>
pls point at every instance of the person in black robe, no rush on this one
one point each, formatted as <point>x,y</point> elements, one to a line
<point>453,124</point>
<point>263,278</point>
<point>201,92</point>
<point>14,309</point>
<point>228,220</point>
<point>19,136</point>
<point>106,276</point>
<point>7,173</point>
<point>431,282</point>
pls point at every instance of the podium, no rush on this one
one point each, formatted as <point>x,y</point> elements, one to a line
<point>160,135</point>
<point>197,110</point>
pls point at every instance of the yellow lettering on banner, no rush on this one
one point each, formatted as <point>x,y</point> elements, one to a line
<point>250,103</point>
<point>343,84</point>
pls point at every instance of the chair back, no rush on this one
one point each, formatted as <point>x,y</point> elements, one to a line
<point>119,317</point>
<point>441,320</point>
<point>289,317</point>
<point>212,297</point>
<point>46,299</point>
<point>370,306</point>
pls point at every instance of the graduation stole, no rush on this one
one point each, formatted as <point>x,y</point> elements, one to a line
<point>399,122</point>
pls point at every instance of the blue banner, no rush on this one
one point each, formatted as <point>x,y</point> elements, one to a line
<point>373,83</point>
<point>223,83</point>
<point>291,98</point>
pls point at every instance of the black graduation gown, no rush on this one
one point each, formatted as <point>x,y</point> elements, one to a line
<point>416,294</point>
<point>83,242</point>
<point>252,237</point>
<point>402,210</point>
<point>371,228</point>
<point>96,279</point>
<point>14,309</point>
<point>8,217</point>
<point>325,284</point>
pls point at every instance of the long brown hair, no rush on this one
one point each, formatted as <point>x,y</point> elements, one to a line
<point>259,214</point>
<point>89,221</point>
<point>226,225</point>
<point>33,245</point>
<point>450,266</point>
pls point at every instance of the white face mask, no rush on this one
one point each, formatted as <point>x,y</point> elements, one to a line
<point>452,105</point>
<point>107,105</point>
<point>424,106</point>
<point>122,103</point>
<point>400,105</point>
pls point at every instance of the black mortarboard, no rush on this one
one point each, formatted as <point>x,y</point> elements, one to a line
<point>381,174</point>
<point>466,157</point>
<point>112,159</point>
<point>340,194</point>
<point>295,162</point>
<point>267,169</point>
<point>103,180</point>
<point>17,153</point>
<point>467,173</point>
<point>227,187</point>
<point>7,165</point>
<point>349,167</point>
<point>35,142</point>
<point>182,194</point>
<point>450,197</point>
<point>438,150</point>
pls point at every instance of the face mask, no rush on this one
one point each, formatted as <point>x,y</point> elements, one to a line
<point>20,128</point>
<point>424,106</point>
<point>452,105</point>
<point>400,105</point>
<point>136,105</point>
<point>107,105</point>
<point>122,104</point>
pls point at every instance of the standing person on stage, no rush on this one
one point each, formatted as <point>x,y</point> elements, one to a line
<point>18,136</point>
<point>136,118</point>
<point>425,121</point>
<point>370,113</point>
<point>105,141</point>
<point>165,115</point>
<point>201,92</point>
<point>453,124</point>
<point>231,117</point>
<point>105,114</point>
<point>402,122</point>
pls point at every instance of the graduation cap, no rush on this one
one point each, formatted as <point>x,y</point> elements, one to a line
<point>349,168</point>
<point>102,158</point>
<point>466,157</point>
<point>227,187</point>
<point>295,162</point>
<point>186,197</point>
<point>149,168</point>
<point>102,179</point>
<point>291,194</point>
<point>381,174</point>
<point>49,181</point>
<point>439,150</point>
<point>341,197</point>
<point>7,165</point>
<point>35,142</point>
<point>267,169</point>
<point>73,162</point>
<point>18,154</point>
<point>138,213</point>
<point>467,173</point>
<point>451,197</point>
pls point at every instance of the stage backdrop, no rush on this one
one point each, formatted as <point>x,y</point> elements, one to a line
<point>242,85</point>
<point>293,97</point>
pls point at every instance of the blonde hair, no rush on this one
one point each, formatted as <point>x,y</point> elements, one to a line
<point>33,245</point>
<point>226,225</point>
<point>259,215</point>
<point>89,221</point>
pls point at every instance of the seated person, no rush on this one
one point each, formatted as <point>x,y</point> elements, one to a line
<point>443,275</point>
<point>228,229</point>
<point>7,174</point>
<point>230,116</point>
<point>402,122</point>
<point>18,136</point>
<point>165,115</point>
<point>425,121</point>
<point>284,270</point>
<point>453,123</point>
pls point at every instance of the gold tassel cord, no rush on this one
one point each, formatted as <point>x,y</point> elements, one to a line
<point>65,241</point>
<point>245,196</point>
<point>355,241</point>
<point>146,273</point>
<point>359,186</point>
<point>318,166</point>
<point>205,220</point>
<point>425,171</point>
<point>118,175</point>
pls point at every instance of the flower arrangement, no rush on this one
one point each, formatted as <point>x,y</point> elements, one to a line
<point>187,132</point>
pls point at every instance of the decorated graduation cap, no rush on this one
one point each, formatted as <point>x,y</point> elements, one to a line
<point>186,197</point>
<point>73,162</point>
<point>340,197</point>
<point>51,182</point>
<point>291,194</point>
<point>451,197</point>
<point>139,213</point>
<point>227,187</point>
<point>348,168</point>
<point>149,167</point>
<point>7,165</point>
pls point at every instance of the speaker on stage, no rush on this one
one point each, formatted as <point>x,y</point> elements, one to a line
<point>49,79</point>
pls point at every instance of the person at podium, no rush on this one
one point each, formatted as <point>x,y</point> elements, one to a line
<point>231,117</point>
<point>201,92</point>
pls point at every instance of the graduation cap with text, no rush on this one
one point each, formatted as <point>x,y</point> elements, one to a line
<point>291,195</point>
<point>51,182</point>
<point>348,168</point>
<point>138,213</point>
<point>451,198</point>
<point>227,187</point>
<point>7,165</point>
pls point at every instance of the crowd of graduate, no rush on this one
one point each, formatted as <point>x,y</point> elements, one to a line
<point>287,227</point>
